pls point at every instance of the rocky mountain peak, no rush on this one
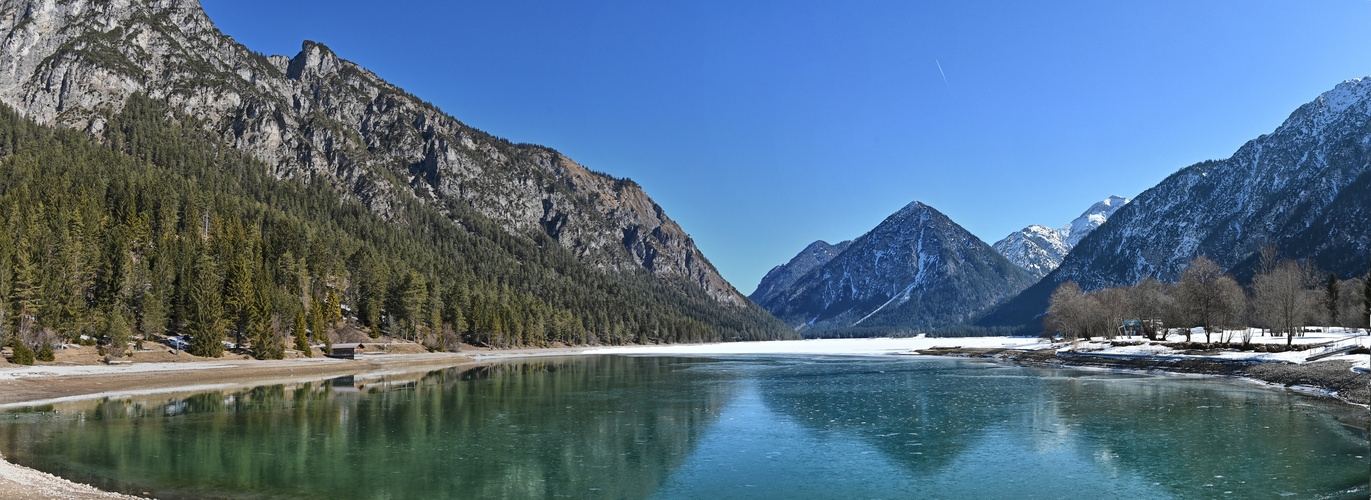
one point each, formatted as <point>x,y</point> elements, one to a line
<point>1093,218</point>
<point>916,270</point>
<point>1039,249</point>
<point>315,60</point>
<point>783,276</point>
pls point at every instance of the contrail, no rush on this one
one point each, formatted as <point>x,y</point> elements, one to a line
<point>940,71</point>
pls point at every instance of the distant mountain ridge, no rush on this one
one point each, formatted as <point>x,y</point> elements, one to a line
<point>1039,249</point>
<point>784,276</point>
<point>1305,188</point>
<point>917,270</point>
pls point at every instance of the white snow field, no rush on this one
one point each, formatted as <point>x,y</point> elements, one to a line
<point>1143,348</point>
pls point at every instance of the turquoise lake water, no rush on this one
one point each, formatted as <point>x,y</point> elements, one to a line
<point>724,427</point>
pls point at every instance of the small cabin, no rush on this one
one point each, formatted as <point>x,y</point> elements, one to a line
<point>348,351</point>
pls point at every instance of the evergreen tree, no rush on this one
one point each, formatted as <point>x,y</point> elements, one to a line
<point>206,311</point>
<point>266,344</point>
<point>301,327</point>
<point>333,310</point>
<point>302,345</point>
<point>239,298</point>
<point>21,354</point>
<point>315,321</point>
<point>1330,301</point>
<point>154,318</point>
<point>46,354</point>
<point>117,334</point>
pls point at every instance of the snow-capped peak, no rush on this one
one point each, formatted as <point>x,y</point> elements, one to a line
<point>1074,232</point>
<point>1039,249</point>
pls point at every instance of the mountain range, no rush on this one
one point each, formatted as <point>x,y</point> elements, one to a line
<point>316,119</point>
<point>1039,249</point>
<point>1304,189</point>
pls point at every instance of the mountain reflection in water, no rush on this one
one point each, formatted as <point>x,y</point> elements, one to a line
<point>740,426</point>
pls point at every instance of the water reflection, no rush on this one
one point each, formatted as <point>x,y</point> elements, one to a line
<point>605,426</point>
<point>967,429</point>
<point>736,427</point>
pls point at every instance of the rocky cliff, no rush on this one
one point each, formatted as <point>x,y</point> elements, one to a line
<point>320,118</point>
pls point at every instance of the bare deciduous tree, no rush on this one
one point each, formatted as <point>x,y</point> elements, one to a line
<point>1200,296</point>
<point>1148,301</point>
<point>1111,306</point>
<point>1068,312</point>
<point>1232,307</point>
<point>1284,297</point>
<point>1350,313</point>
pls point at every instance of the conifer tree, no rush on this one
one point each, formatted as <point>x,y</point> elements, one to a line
<point>154,318</point>
<point>300,327</point>
<point>45,353</point>
<point>333,310</point>
<point>265,342</point>
<point>302,345</point>
<point>1330,301</point>
<point>315,321</point>
<point>239,298</point>
<point>206,311</point>
<point>116,334</point>
<point>20,353</point>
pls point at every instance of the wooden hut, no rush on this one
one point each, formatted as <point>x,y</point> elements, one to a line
<point>347,351</point>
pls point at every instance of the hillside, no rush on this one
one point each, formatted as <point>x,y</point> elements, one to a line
<point>1305,189</point>
<point>519,220</point>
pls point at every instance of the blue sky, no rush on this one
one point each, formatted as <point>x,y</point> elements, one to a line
<point>763,126</point>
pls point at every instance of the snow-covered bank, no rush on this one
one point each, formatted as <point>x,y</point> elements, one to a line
<point>1138,347</point>
<point>839,347</point>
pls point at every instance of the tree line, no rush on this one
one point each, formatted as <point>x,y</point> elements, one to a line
<point>162,229</point>
<point>1283,297</point>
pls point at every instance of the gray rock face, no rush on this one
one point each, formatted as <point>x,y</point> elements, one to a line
<point>784,276</point>
<point>320,118</point>
<point>1036,249</point>
<point>917,270</point>
<point>1039,250</point>
<point>1303,188</point>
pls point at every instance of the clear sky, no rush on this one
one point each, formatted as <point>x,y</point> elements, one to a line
<point>763,126</point>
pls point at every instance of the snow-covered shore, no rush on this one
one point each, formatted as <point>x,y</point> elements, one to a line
<point>836,347</point>
<point>1139,347</point>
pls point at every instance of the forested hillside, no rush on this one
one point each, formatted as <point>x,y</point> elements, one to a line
<point>164,229</point>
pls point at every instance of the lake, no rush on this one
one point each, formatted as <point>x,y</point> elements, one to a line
<point>759,426</point>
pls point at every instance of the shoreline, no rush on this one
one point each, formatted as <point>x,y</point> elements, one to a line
<point>27,387</point>
<point>1332,379</point>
